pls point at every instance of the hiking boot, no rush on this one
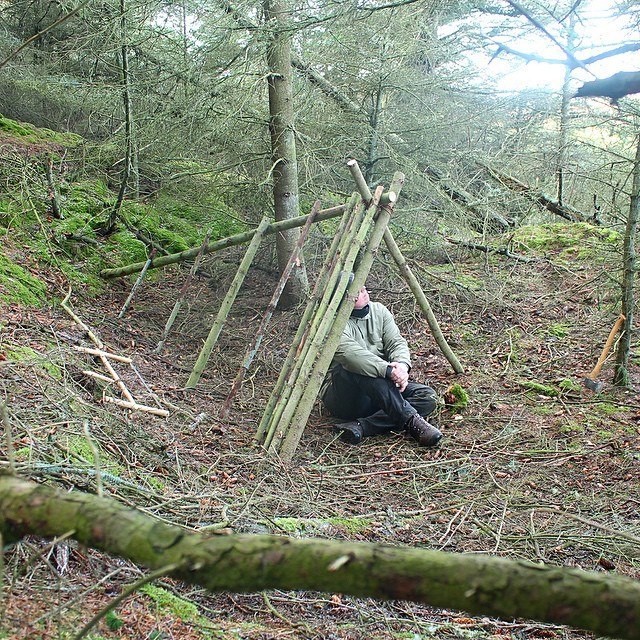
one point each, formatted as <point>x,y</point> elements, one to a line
<point>350,432</point>
<point>425,434</point>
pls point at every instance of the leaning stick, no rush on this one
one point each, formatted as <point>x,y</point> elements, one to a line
<point>285,423</point>
<point>304,406</point>
<point>97,376</point>
<point>275,298</point>
<point>92,336</point>
<point>421,298</point>
<point>183,294</point>
<point>322,317</point>
<point>223,312</point>
<point>137,283</point>
<point>231,241</point>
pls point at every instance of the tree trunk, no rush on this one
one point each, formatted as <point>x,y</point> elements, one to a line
<point>563,138</point>
<point>128,122</point>
<point>374,117</point>
<point>606,604</point>
<point>621,374</point>
<point>283,144</point>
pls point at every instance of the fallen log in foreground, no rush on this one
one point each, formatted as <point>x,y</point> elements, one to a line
<point>606,604</point>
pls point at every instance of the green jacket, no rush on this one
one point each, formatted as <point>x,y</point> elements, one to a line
<point>369,344</point>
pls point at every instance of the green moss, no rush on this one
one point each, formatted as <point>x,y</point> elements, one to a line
<point>607,409</point>
<point>79,446</point>
<point>19,286</point>
<point>22,454</point>
<point>558,330</point>
<point>568,385</point>
<point>541,410</point>
<point>563,236</point>
<point>33,358</point>
<point>542,389</point>
<point>469,282</point>
<point>36,134</point>
<point>156,484</point>
<point>572,428</point>
<point>351,525</point>
<point>457,398</point>
<point>305,525</point>
<point>126,248</point>
<point>168,602</point>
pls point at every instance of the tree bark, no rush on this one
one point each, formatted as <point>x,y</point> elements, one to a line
<point>218,245</point>
<point>283,143</point>
<point>563,137</point>
<point>606,604</point>
<point>621,373</point>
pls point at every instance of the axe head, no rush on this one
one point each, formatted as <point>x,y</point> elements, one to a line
<point>591,384</point>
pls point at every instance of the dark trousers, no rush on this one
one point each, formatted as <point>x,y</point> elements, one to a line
<point>376,402</point>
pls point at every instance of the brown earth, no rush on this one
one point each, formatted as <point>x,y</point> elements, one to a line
<point>519,474</point>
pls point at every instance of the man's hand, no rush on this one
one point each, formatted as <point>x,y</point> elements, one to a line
<point>399,375</point>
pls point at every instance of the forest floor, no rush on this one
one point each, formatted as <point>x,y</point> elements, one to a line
<point>535,467</point>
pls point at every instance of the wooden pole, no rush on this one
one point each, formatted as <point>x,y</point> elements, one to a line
<point>182,295</point>
<point>419,295</point>
<point>255,345</point>
<point>408,275</point>
<point>225,307</point>
<point>231,241</point>
<point>136,286</point>
<point>320,325</point>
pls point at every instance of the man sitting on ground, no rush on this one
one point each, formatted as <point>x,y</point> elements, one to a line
<point>368,382</point>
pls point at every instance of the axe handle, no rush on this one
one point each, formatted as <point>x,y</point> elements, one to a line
<point>607,347</point>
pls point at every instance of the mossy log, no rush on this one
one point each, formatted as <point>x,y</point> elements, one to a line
<point>218,245</point>
<point>605,604</point>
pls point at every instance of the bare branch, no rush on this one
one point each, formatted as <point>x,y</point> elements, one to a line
<point>538,25</point>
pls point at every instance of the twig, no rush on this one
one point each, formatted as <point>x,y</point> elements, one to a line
<point>135,406</point>
<point>28,41</point>
<point>592,523</point>
<point>138,282</point>
<point>499,532</point>
<point>106,354</point>
<point>93,337</point>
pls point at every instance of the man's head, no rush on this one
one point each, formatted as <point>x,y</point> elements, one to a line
<point>363,298</point>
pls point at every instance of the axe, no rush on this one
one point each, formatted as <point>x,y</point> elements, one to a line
<point>590,381</point>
